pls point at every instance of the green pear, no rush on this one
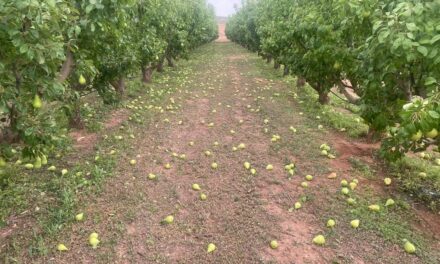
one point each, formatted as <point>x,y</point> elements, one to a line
<point>37,103</point>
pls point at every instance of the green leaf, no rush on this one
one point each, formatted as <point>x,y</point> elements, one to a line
<point>435,39</point>
<point>430,81</point>
<point>423,50</point>
<point>434,114</point>
<point>383,35</point>
<point>411,26</point>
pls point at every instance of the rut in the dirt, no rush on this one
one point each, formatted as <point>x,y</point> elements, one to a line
<point>228,100</point>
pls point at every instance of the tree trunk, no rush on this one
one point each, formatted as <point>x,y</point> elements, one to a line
<point>66,68</point>
<point>300,82</point>
<point>268,59</point>
<point>323,97</point>
<point>159,66</point>
<point>351,96</point>
<point>276,65</point>
<point>286,70</point>
<point>119,86</point>
<point>147,74</point>
<point>170,61</point>
<point>75,120</point>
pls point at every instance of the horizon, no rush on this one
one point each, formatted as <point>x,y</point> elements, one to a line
<point>224,8</point>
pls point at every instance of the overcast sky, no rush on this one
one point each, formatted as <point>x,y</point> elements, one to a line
<point>224,7</point>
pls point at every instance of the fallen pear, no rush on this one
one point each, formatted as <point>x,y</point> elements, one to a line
<point>332,175</point>
<point>304,184</point>
<point>331,223</point>
<point>2,163</point>
<point>374,208</point>
<point>309,177</point>
<point>355,223</point>
<point>152,176</point>
<point>345,191</point>
<point>409,247</point>
<point>94,241</point>
<point>214,165</point>
<point>43,160</point>
<point>241,146</point>
<point>298,205</point>
<point>269,167</point>
<point>432,134</point>
<point>247,165</point>
<point>64,172</point>
<point>351,201</point>
<point>29,166</point>
<point>353,185</point>
<point>62,247</point>
<point>169,219</point>
<point>211,248</point>
<point>79,217</point>
<point>389,202</point>
<point>387,181</point>
<point>274,244</point>
<point>132,162</point>
<point>167,166</point>
<point>203,197</point>
<point>344,183</point>
<point>196,187</point>
<point>417,136</point>
<point>253,171</point>
<point>319,240</point>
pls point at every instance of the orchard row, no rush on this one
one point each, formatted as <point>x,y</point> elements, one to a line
<point>55,51</point>
<point>383,55</point>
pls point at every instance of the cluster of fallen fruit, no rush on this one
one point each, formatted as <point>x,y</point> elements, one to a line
<point>320,240</point>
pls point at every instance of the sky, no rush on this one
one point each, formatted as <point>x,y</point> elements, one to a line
<point>224,7</point>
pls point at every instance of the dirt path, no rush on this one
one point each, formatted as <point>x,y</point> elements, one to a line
<point>242,212</point>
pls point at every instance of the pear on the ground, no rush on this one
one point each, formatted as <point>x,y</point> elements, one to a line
<point>62,247</point>
<point>374,208</point>
<point>389,202</point>
<point>211,248</point>
<point>274,244</point>
<point>409,247</point>
<point>319,240</point>
<point>331,223</point>
<point>169,219</point>
<point>196,187</point>
<point>79,217</point>
<point>355,223</point>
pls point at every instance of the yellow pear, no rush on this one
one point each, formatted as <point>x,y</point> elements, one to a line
<point>319,240</point>
<point>211,248</point>
<point>274,244</point>
<point>62,247</point>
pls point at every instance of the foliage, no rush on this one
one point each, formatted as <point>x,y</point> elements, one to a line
<point>55,51</point>
<point>385,52</point>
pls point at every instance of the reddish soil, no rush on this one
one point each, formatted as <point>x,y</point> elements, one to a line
<point>221,32</point>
